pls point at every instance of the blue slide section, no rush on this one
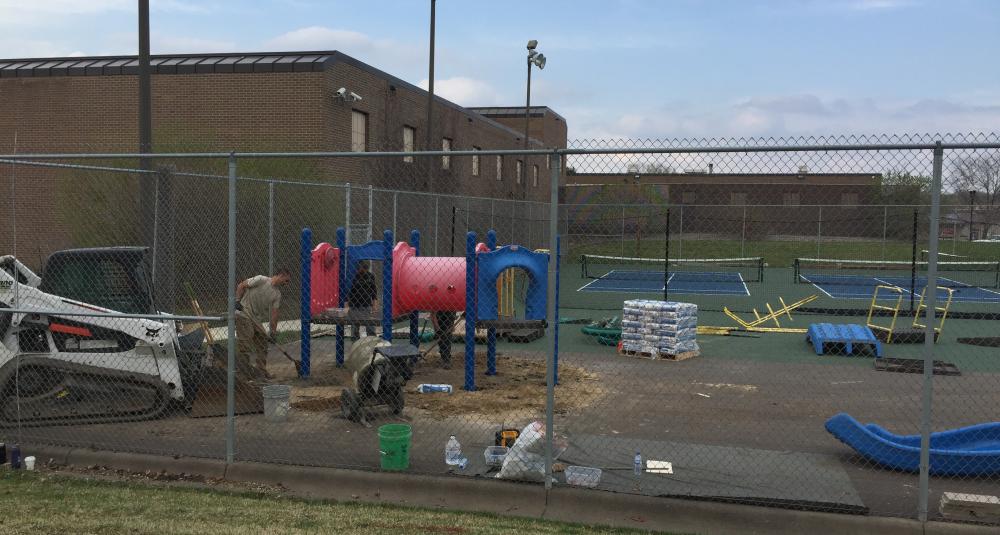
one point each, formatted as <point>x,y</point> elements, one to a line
<point>492,263</point>
<point>967,451</point>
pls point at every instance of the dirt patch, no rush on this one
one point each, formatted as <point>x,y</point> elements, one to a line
<point>518,388</point>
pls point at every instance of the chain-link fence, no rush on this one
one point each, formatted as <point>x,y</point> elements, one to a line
<point>351,310</point>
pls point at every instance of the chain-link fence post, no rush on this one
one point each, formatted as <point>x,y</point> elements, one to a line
<point>930,314</point>
<point>231,318</point>
<point>270,227</point>
<point>819,230</point>
<point>623,231</point>
<point>437,201</point>
<point>743,232</point>
<point>347,211</point>
<point>395,207</point>
<point>680,233</point>
<point>550,367</point>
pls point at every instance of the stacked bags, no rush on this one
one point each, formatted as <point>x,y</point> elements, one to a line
<point>657,327</point>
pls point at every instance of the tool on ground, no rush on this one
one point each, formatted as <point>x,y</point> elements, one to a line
<point>506,437</point>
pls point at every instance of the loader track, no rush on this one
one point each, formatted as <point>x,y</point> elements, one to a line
<point>40,391</point>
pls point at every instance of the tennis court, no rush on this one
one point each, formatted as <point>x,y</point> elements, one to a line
<point>714,276</point>
<point>970,282</point>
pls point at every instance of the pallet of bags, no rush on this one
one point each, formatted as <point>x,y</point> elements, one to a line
<point>659,330</point>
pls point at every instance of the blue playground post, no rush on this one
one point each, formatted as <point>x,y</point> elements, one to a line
<point>415,315</point>
<point>555,328</point>
<point>387,286</point>
<point>470,311</point>
<point>491,333</point>
<point>341,287</point>
<point>306,301</point>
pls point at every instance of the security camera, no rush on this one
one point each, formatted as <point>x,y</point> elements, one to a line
<point>355,96</point>
<point>341,93</point>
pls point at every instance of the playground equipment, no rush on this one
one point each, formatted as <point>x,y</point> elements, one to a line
<point>967,451</point>
<point>849,339</point>
<point>913,335</point>
<point>413,283</point>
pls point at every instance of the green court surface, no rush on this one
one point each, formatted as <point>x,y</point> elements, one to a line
<point>772,347</point>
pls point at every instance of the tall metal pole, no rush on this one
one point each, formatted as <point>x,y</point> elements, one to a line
<point>231,316</point>
<point>666,256</point>
<point>147,182</point>
<point>550,368</point>
<point>527,106</point>
<point>347,211</point>
<point>430,81</point>
<point>929,320</point>
<point>145,88</point>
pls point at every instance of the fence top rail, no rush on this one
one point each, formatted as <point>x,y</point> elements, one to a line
<point>514,152</point>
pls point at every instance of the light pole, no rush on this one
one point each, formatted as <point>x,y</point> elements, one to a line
<point>972,208</point>
<point>538,59</point>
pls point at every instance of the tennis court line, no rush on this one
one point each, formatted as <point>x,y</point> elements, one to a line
<point>580,289</point>
<point>818,287</point>
<point>745,288</point>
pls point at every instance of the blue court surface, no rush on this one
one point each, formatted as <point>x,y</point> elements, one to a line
<point>681,282</point>
<point>863,287</point>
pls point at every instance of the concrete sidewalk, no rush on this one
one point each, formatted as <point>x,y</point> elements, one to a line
<point>508,498</point>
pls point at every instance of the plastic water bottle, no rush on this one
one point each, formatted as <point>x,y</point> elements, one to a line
<point>453,452</point>
<point>429,388</point>
<point>637,464</point>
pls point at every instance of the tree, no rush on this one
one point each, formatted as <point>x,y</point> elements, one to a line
<point>904,188</point>
<point>980,174</point>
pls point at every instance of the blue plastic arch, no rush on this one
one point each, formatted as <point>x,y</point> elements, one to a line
<point>373,250</point>
<point>491,264</point>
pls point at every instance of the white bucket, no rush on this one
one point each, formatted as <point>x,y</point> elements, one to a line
<point>276,402</point>
<point>29,463</point>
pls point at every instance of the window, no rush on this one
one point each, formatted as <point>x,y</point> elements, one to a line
<point>534,175</point>
<point>849,199</point>
<point>689,197</point>
<point>738,198</point>
<point>359,131</point>
<point>519,171</point>
<point>475,162</point>
<point>409,133</point>
<point>446,160</point>
<point>499,168</point>
<point>790,199</point>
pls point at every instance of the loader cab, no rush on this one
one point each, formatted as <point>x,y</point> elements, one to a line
<point>116,278</point>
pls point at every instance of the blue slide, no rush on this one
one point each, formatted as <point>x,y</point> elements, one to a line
<point>967,451</point>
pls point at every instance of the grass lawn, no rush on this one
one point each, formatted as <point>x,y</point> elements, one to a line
<point>41,502</point>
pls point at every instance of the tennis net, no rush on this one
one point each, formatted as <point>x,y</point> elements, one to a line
<point>952,274</point>
<point>750,269</point>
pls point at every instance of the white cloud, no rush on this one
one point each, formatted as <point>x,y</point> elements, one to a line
<point>790,115</point>
<point>878,5</point>
<point>465,91</point>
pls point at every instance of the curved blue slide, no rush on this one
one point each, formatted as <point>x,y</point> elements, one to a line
<point>967,451</point>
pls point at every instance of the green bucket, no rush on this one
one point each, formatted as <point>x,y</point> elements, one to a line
<point>394,446</point>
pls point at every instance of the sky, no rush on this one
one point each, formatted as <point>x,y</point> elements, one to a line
<point>616,68</point>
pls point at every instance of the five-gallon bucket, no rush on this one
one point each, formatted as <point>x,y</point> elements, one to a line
<point>276,402</point>
<point>394,446</point>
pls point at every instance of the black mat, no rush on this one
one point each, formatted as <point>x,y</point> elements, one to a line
<point>941,367</point>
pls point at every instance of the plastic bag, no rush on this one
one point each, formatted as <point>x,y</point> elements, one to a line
<point>526,459</point>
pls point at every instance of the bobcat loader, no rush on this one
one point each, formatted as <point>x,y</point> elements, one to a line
<point>59,367</point>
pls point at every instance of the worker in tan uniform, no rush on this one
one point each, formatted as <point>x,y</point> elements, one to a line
<point>259,298</point>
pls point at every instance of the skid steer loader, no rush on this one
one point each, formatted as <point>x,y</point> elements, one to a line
<point>58,367</point>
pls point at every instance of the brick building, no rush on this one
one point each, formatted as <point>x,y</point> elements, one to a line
<point>257,102</point>
<point>773,204</point>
